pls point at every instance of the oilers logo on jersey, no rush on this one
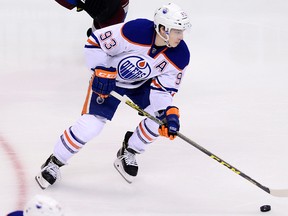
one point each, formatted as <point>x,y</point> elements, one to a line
<point>133,68</point>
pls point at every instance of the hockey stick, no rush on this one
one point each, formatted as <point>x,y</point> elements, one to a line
<point>273,192</point>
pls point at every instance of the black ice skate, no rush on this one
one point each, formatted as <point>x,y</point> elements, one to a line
<point>49,172</point>
<point>126,163</point>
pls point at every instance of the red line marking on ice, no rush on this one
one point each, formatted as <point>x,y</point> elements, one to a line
<point>19,173</point>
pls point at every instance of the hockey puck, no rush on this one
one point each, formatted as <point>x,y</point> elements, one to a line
<point>265,208</point>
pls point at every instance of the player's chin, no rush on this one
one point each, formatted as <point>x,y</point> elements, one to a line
<point>173,45</point>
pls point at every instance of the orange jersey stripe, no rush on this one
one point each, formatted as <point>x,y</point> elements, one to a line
<point>70,141</point>
<point>158,53</point>
<point>87,99</point>
<point>144,133</point>
<point>92,42</point>
<point>156,84</point>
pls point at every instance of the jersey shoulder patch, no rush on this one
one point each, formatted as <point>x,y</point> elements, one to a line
<point>180,55</point>
<point>139,31</point>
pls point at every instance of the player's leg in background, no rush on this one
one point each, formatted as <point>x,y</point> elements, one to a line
<point>118,17</point>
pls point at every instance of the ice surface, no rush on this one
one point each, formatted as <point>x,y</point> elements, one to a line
<point>233,101</point>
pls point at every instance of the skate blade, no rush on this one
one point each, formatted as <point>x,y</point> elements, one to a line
<point>119,167</point>
<point>42,182</point>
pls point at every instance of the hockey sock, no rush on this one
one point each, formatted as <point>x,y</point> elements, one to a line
<point>143,135</point>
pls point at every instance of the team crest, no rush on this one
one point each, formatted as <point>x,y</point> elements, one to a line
<point>134,68</point>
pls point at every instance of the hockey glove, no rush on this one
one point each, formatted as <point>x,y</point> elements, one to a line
<point>171,125</point>
<point>90,6</point>
<point>104,80</point>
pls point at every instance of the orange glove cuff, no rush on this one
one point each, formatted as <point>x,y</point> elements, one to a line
<point>105,74</point>
<point>173,110</point>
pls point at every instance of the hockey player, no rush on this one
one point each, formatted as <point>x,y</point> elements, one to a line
<point>40,205</point>
<point>103,12</point>
<point>142,59</point>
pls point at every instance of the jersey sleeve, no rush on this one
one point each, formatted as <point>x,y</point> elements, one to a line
<point>104,44</point>
<point>163,88</point>
<point>120,38</point>
<point>167,84</point>
<point>94,55</point>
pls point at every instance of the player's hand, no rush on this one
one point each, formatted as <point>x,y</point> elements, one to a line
<point>104,80</point>
<point>171,125</point>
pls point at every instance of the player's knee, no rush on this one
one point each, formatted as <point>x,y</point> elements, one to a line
<point>88,126</point>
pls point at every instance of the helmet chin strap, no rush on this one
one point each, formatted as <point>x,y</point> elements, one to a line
<point>166,40</point>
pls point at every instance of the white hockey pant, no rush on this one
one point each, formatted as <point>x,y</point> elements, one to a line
<point>89,126</point>
<point>75,137</point>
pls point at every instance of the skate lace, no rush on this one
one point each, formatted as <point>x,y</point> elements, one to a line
<point>129,158</point>
<point>53,170</point>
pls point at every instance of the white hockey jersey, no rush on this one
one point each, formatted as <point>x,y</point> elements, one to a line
<point>130,49</point>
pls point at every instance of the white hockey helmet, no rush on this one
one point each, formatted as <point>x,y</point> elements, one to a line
<point>43,206</point>
<point>171,16</point>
